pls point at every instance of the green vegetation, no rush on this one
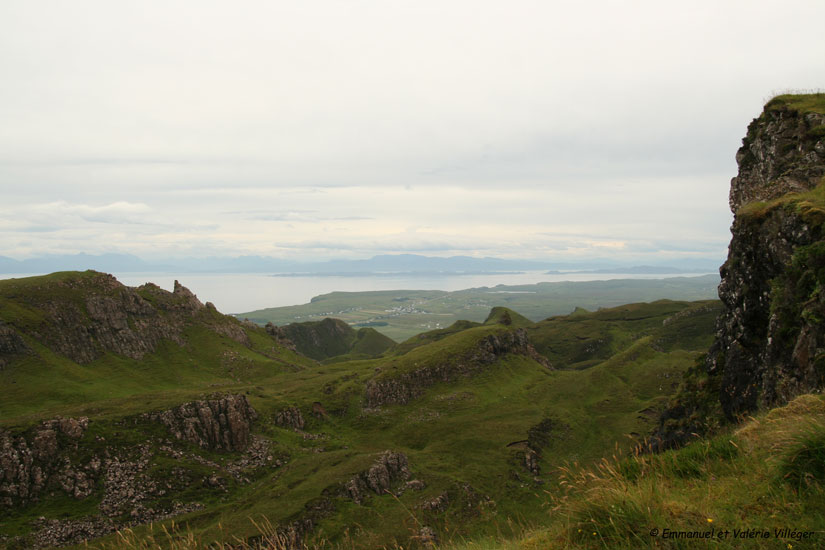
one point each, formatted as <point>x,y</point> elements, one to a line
<point>504,451</point>
<point>803,465</point>
<point>333,338</point>
<point>804,103</point>
<point>755,486</point>
<point>468,433</point>
<point>402,314</point>
<point>810,205</point>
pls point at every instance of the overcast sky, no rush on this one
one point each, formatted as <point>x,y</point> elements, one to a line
<point>346,128</point>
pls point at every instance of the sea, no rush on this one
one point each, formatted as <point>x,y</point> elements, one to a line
<point>244,292</point>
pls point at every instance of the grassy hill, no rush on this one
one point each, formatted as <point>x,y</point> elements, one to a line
<point>457,433</point>
<point>87,343</point>
<point>333,338</point>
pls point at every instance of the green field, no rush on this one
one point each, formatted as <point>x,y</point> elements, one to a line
<point>401,314</point>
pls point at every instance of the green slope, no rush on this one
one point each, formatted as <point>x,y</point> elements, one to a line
<point>204,354</point>
<point>758,486</point>
<point>484,431</point>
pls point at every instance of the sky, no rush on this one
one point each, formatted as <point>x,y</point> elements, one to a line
<point>345,129</point>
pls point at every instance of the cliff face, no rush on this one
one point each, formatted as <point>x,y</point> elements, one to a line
<point>770,337</point>
<point>50,457</point>
<point>783,152</point>
<point>769,342</point>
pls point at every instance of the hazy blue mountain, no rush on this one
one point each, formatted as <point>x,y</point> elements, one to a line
<point>385,263</point>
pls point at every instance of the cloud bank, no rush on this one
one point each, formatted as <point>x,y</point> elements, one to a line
<point>343,129</point>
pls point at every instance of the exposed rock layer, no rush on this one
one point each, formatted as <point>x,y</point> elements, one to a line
<point>222,424</point>
<point>764,359</point>
<point>291,418</point>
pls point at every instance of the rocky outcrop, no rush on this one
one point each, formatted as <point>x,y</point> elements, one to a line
<point>401,388</point>
<point>290,418</point>
<point>33,462</point>
<point>222,424</point>
<point>461,498</point>
<point>128,490</point>
<point>528,452</point>
<point>770,336</point>
<point>754,347</point>
<point>85,315</point>
<point>783,152</point>
<point>89,316</point>
<point>389,469</point>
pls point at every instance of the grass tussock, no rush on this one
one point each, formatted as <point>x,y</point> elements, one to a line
<point>803,465</point>
<point>177,537</point>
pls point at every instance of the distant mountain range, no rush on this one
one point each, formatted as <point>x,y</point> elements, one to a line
<point>382,264</point>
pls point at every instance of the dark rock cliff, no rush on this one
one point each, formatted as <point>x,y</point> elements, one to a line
<point>770,337</point>
<point>763,355</point>
<point>783,152</point>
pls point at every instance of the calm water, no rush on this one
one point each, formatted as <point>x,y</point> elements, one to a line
<point>241,292</point>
